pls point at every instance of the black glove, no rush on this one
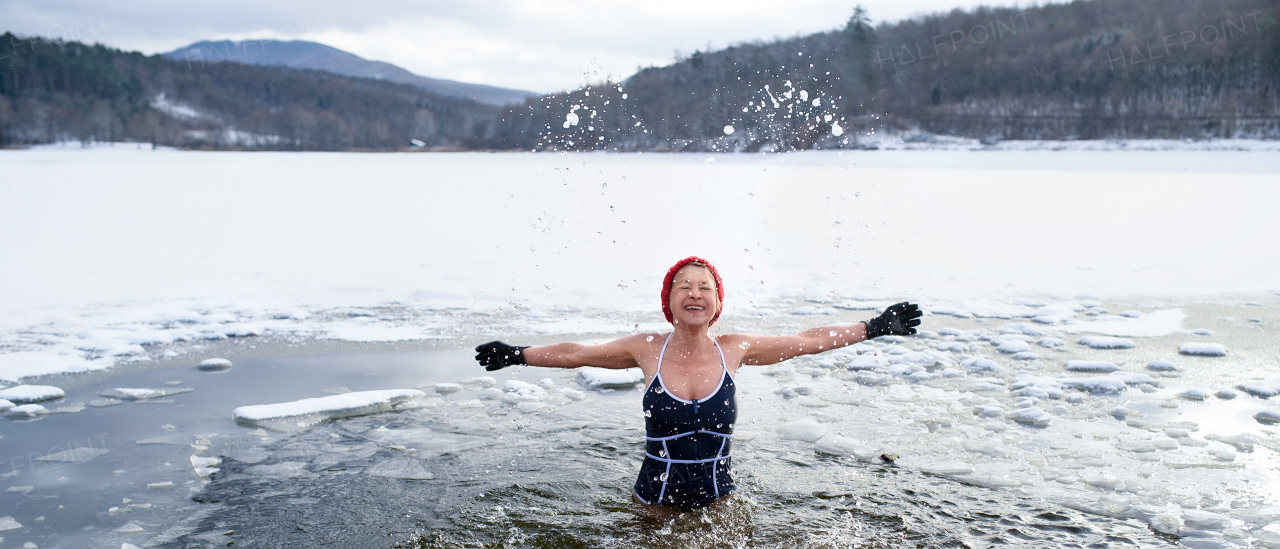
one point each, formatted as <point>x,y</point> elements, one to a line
<point>496,355</point>
<point>899,319</point>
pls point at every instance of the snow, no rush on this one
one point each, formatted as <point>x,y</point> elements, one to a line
<point>25,394</point>
<point>151,294</point>
<point>1105,342</point>
<point>1196,348</point>
<point>329,407</point>
<point>1161,366</point>
<point>602,378</point>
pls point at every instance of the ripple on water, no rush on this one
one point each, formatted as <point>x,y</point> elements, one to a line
<point>566,482</point>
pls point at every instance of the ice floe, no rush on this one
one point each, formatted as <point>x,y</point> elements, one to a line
<point>144,393</point>
<point>214,365</point>
<point>313,410</point>
<point>1090,366</point>
<point>27,411</point>
<point>1261,389</point>
<point>1196,348</point>
<point>1105,342</point>
<point>602,378</point>
<point>27,394</point>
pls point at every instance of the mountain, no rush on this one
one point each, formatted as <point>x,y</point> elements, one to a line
<point>311,55</point>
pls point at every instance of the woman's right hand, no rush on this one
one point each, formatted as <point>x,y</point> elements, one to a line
<point>496,355</point>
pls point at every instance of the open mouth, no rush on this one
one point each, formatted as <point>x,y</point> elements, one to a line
<point>693,308</point>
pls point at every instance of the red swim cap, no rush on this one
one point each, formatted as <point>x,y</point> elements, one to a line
<point>671,275</point>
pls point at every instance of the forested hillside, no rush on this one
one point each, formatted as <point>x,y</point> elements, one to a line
<point>59,91</point>
<point>1088,69</point>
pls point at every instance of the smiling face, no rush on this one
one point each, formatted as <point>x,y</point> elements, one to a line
<point>693,296</point>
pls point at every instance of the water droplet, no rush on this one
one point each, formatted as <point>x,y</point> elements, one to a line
<point>662,477</point>
<point>832,333</point>
<point>650,338</point>
<point>662,453</point>
<point>659,390</point>
<point>648,413</point>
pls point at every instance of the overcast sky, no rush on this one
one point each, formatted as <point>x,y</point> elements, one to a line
<point>537,45</point>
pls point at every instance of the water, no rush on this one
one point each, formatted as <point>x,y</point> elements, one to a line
<point>465,469</point>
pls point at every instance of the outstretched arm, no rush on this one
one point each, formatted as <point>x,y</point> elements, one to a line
<point>898,319</point>
<point>617,354</point>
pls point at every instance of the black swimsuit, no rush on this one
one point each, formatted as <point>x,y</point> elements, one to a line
<point>686,458</point>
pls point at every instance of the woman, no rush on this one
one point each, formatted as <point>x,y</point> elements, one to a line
<point>689,399</point>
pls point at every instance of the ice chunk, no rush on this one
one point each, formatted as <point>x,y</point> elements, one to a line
<point>1242,442</point>
<point>1132,378</point>
<point>198,461</point>
<point>1013,346</point>
<point>1161,366</point>
<point>5,405</point>
<point>1194,394</point>
<point>313,410</point>
<point>1205,520</point>
<point>284,469</point>
<point>79,454</point>
<point>834,445</point>
<point>1050,342</point>
<point>7,523</point>
<point>1099,384</point>
<point>988,410</point>
<point>980,364</point>
<point>1166,523</point>
<point>574,394</point>
<point>1226,394</point>
<point>401,468</point>
<point>602,378</point>
<point>950,467</point>
<point>129,528</point>
<point>448,388</point>
<point>1196,348</point>
<point>27,394</point>
<point>214,365</point>
<point>518,391</point>
<point>166,439</point>
<point>1268,417</point>
<point>1261,389</point>
<point>1105,342</point>
<point>484,381</point>
<point>143,393</point>
<point>1119,412</point>
<point>1144,446</point>
<point>530,406</point>
<point>1090,366</point>
<point>806,429</point>
<point>27,411</point>
<point>1030,416</point>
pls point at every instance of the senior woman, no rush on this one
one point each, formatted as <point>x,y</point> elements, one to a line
<point>689,399</point>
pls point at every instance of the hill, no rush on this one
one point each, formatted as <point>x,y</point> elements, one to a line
<point>311,55</point>
<point>1088,69</point>
<point>58,91</point>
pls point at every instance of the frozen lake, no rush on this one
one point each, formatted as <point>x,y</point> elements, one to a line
<point>1065,385</point>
